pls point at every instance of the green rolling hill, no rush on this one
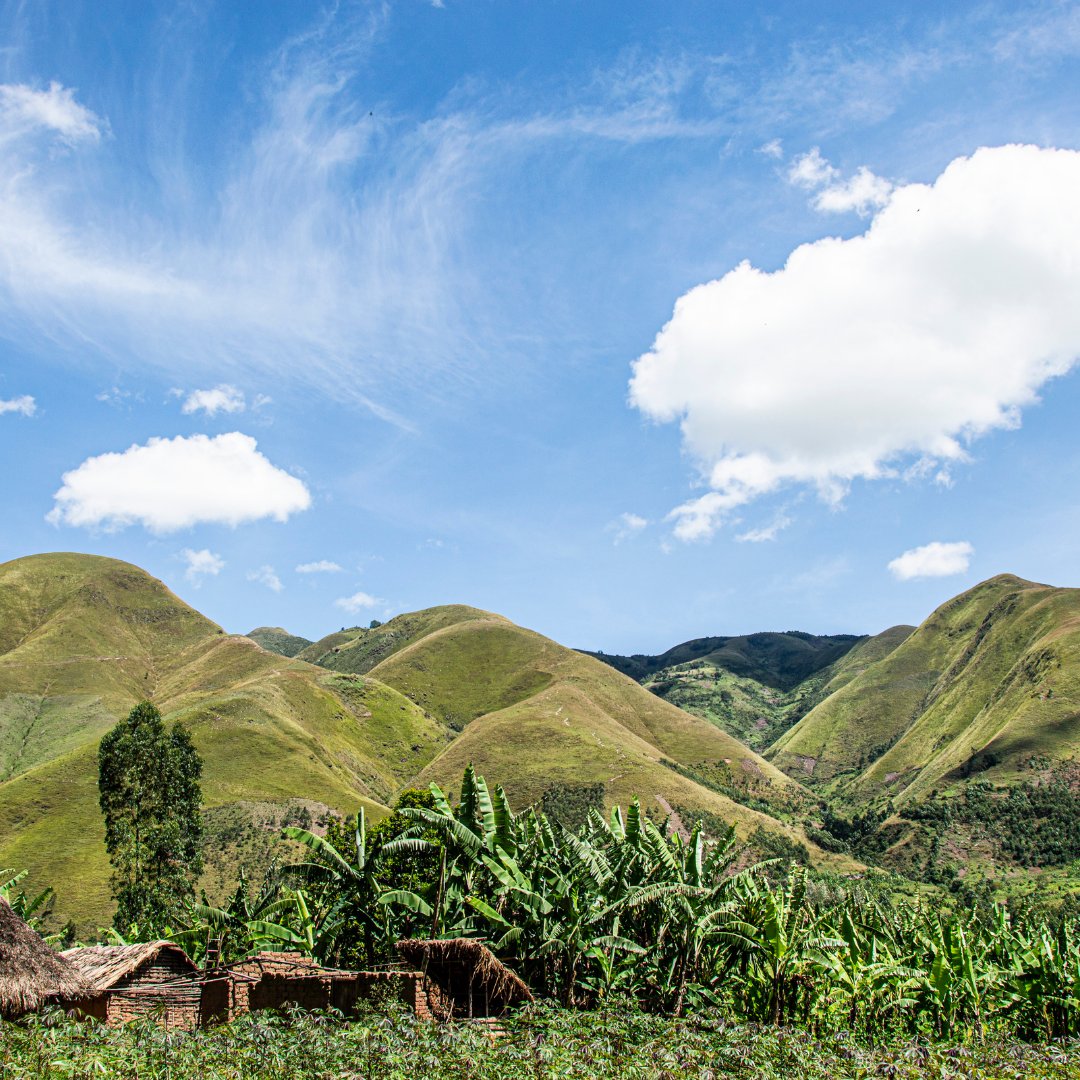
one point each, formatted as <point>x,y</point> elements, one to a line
<point>988,683</point>
<point>278,640</point>
<point>83,638</point>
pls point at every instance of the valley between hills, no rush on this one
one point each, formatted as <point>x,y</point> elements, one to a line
<point>944,753</point>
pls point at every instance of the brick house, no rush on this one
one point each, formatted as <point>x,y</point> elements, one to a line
<point>125,982</point>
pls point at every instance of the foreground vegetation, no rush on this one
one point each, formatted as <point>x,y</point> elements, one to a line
<point>623,908</point>
<point>539,1043</point>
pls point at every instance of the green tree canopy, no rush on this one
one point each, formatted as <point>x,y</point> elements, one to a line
<point>148,780</point>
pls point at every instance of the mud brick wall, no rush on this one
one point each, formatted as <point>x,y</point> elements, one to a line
<point>163,988</point>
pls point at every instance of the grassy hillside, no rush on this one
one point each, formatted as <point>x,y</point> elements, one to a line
<point>536,716</point>
<point>277,639</point>
<point>84,638</point>
<point>780,661</point>
<point>988,683</point>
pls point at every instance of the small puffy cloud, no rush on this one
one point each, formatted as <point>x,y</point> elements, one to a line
<point>625,526</point>
<point>932,560</point>
<point>774,148</point>
<point>265,575</point>
<point>25,405</point>
<point>171,484</point>
<point>358,602</point>
<point>24,109</point>
<point>862,356</point>
<point>863,192</point>
<point>200,564</point>
<point>222,398</point>
<point>323,566</point>
<point>811,170</point>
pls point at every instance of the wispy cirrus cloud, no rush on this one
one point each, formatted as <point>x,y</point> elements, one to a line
<point>332,242</point>
<point>266,575</point>
<point>625,526</point>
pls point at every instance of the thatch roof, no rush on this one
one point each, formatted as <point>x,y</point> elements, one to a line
<point>445,961</point>
<point>30,972</point>
<point>103,966</point>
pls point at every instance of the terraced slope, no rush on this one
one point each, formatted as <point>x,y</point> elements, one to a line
<point>990,681</point>
<point>82,639</point>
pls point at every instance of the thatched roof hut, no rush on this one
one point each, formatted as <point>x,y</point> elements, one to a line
<point>127,981</point>
<point>470,980</point>
<point>30,972</point>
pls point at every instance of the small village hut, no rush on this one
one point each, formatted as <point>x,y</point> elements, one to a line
<point>31,974</point>
<point>464,978</point>
<point>152,978</point>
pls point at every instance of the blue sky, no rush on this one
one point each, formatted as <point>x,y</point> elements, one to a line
<point>633,322</point>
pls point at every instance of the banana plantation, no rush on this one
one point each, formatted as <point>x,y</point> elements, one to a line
<point>626,910</point>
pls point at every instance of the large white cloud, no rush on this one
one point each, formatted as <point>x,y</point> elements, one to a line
<point>936,559</point>
<point>171,484</point>
<point>935,326</point>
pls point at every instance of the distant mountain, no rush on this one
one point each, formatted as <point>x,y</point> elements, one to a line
<point>778,660</point>
<point>275,639</point>
<point>755,712</point>
<point>989,683</point>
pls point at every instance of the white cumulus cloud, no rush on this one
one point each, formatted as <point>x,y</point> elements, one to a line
<point>932,560</point>
<point>266,575</point>
<point>171,484</point>
<point>359,601</point>
<point>25,405</point>
<point>323,566</point>
<point>200,564</point>
<point>895,347</point>
<point>222,398</point>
